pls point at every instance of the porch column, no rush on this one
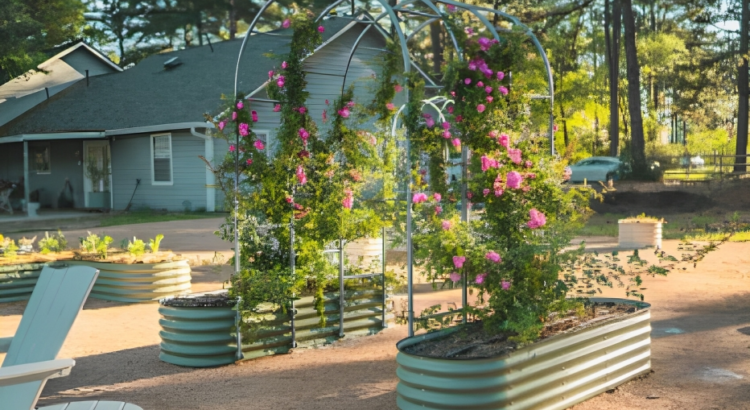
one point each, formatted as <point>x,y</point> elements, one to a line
<point>26,184</point>
<point>210,177</point>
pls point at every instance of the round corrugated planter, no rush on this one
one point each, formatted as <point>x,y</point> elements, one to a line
<point>639,234</point>
<point>139,282</point>
<point>364,251</point>
<point>551,374</point>
<point>197,336</point>
<point>18,281</point>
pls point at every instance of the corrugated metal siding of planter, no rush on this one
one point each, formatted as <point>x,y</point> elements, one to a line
<point>139,282</point>
<point>552,374</point>
<point>362,315</point>
<point>197,337</point>
<point>131,160</point>
<point>18,281</point>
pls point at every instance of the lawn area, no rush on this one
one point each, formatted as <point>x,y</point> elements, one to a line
<point>149,216</point>
<point>678,226</point>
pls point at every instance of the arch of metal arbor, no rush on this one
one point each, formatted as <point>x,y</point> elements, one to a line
<point>404,9</point>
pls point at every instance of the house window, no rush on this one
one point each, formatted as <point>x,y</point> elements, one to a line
<point>263,136</point>
<point>40,157</point>
<point>161,159</point>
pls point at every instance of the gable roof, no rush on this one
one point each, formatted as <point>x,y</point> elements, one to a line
<point>151,94</point>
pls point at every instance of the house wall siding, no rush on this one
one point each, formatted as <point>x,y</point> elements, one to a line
<point>131,160</point>
<point>82,60</point>
<point>64,164</point>
<point>11,161</point>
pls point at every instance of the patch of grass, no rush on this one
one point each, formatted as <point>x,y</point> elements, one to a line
<point>702,220</point>
<point>140,217</point>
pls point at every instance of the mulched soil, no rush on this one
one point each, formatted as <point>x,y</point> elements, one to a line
<point>474,341</point>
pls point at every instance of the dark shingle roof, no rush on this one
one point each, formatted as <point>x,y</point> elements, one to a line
<point>149,94</point>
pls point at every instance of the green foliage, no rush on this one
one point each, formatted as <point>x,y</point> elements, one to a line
<point>54,243</point>
<point>93,244</point>
<point>9,248</point>
<point>136,247</point>
<point>155,243</point>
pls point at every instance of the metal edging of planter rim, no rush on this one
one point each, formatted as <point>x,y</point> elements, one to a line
<point>552,374</point>
<point>139,282</point>
<point>204,336</point>
<point>639,234</point>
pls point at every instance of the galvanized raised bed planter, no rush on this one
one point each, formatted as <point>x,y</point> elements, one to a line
<point>139,282</point>
<point>202,334</point>
<point>18,281</point>
<point>554,373</point>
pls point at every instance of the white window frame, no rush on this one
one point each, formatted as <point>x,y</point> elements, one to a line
<point>171,160</point>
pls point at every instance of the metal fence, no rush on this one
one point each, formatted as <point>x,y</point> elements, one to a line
<point>703,166</point>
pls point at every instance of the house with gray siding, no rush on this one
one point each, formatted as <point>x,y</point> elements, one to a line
<point>134,139</point>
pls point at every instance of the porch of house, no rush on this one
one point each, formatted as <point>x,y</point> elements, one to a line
<point>53,176</point>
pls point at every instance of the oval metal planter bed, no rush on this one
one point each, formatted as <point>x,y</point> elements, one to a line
<point>554,373</point>
<point>139,282</point>
<point>18,281</point>
<point>636,234</point>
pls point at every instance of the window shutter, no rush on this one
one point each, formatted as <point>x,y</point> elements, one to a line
<point>162,158</point>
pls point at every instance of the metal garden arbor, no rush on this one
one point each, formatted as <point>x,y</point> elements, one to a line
<point>397,15</point>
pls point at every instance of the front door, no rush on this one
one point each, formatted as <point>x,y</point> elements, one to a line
<point>97,174</point>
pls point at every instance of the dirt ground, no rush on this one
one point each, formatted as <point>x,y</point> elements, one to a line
<point>700,354</point>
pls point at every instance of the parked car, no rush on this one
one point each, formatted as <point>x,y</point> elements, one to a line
<point>596,169</point>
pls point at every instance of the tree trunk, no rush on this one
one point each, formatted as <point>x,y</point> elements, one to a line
<point>232,20</point>
<point>612,43</point>
<point>742,85</point>
<point>437,49</point>
<point>637,144</point>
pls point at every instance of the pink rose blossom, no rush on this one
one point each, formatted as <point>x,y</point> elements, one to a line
<point>504,140</point>
<point>537,219</point>
<point>244,129</point>
<point>486,163</point>
<point>280,82</point>
<point>350,104</point>
<point>300,174</point>
<point>301,110</point>
<point>231,148</point>
<point>437,197</point>
<point>446,134</point>
<point>249,161</point>
<point>500,75</point>
<point>446,225</point>
<point>499,192</point>
<point>467,81</point>
<point>240,105</point>
<point>493,134</point>
<point>481,108</point>
<point>222,124</point>
<point>419,197</point>
<point>456,142</point>
<point>284,65</point>
<point>304,135</point>
<point>429,122</point>
<point>503,90</point>
<point>288,199</point>
<point>529,164</point>
<point>321,29</point>
<point>468,30</point>
<point>277,108</point>
<point>515,155</point>
<point>469,194</point>
<point>438,210</point>
<point>513,180</point>
<point>489,99</point>
<point>484,43</point>
<point>480,84</point>
<point>259,145</point>
<point>480,278</point>
<point>348,200</point>
<point>398,88</point>
<point>254,115</point>
<point>486,191</point>
<point>488,89</point>
<point>505,285</point>
<point>270,74</point>
<point>286,23</point>
<point>390,106</point>
<point>455,277</point>
<point>325,116</point>
<point>453,94</point>
<point>493,256</point>
<point>458,261</point>
<point>450,109</point>
<point>234,116</point>
<point>446,125</point>
<point>472,66</point>
<point>344,112</point>
<point>554,128</point>
<point>459,118</point>
<point>451,8</point>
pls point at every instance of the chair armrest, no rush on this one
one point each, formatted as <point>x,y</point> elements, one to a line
<point>24,373</point>
<point>5,344</point>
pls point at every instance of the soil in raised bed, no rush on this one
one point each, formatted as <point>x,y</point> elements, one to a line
<point>473,341</point>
